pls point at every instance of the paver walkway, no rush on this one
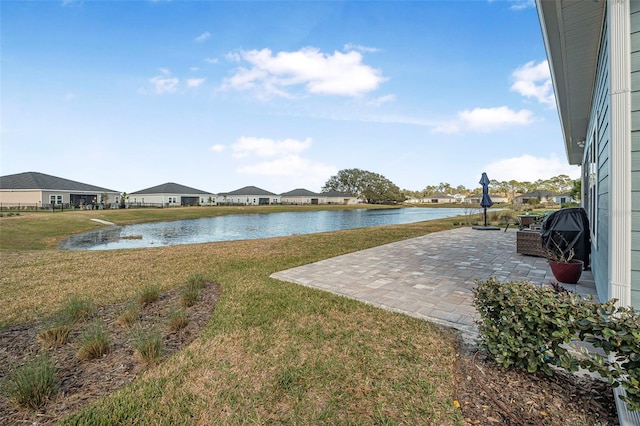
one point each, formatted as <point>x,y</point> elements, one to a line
<point>429,277</point>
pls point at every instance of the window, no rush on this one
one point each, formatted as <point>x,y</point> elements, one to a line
<point>55,199</point>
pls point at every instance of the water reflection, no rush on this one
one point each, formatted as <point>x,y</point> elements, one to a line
<point>248,226</point>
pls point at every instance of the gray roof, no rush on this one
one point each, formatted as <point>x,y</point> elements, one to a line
<point>41,181</point>
<point>333,193</point>
<point>170,188</point>
<point>300,192</point>
<point>249,190</point>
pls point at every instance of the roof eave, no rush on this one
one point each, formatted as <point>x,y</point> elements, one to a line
<point>572,41</point>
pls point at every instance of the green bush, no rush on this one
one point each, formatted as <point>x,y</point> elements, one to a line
<point>33,384</point>
<point>531,328</point>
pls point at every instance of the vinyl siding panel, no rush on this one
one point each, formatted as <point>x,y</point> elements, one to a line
<point>599,122</point>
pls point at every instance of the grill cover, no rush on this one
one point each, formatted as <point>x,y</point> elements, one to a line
<point>569,228</point>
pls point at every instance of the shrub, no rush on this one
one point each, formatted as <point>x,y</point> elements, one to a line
<point>531,328</point>
<point>148,294</point>
<point>33,384</point>
<point>76,308</point>
<point>178,318</point>
<point>148,346</point>
<point>94,343</point>
<point>54,336</point>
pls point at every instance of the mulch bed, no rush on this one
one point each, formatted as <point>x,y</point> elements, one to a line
<point>83,382</point>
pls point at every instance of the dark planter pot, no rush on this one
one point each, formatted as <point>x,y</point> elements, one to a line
<point>567,273</point>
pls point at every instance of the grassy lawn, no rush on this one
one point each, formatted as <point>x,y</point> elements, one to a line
<point>273,352</point>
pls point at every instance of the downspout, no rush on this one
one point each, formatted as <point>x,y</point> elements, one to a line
<point>620,150</point>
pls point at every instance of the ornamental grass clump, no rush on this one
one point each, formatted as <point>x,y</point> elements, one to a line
<point>32,384</point>
<point>198,280</point>
<point>129,315</point>
<point>56,335</point>
<point>178,319</point>
<point>190,294</point>
<point>76,308</point>
<point>148,346</point>
<point>148,294</point>
<point>94,343</point>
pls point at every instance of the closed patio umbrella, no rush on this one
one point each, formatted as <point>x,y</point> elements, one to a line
<point>486,202</point>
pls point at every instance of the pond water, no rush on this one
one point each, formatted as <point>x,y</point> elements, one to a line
<point>248,226</point>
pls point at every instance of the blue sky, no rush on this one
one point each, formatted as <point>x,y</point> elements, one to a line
<point>218,95</point>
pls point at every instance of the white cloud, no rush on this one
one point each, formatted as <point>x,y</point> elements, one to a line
<point>194,82</point>
<point>485,120</point>
<point>165,82</point>
<point>211,60</point>
<point>530,168</point>
<point>202,37</point>
<point>217,148</point>
<point>263,147</point>
<point>382,100</point>
<point>522,4</point>
<point>339,73</point>
<point>359,47</point>
<point>534,81</point>
<point>292,166</point>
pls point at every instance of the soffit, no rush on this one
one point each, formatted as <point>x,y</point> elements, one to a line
<point>571,31</point>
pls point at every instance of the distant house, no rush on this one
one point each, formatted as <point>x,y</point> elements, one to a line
<point>564,199</point>
<point>541,196</point>
<point>249,196</point>
<point>439,198</point>
<point>337,197</point>
<point>477,198</point>
<point>460,198</point>
<point>302,196</point>
<point>41,190</point>
<point>171,194</point>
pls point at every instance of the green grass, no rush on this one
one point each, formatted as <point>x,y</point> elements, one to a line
<point>273,352</point>
<point>178,318</point>
<point>33,383</point>
<point>54,336</point>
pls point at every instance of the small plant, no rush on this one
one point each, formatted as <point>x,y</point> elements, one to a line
<point>178,318</point>
<point>94,343</point>
<point>199,280</point>
<point>129,315</point>
<point>561,253</point>
<point>148,346</point>
<point>33,384</point>
<point>76,308</point>
<point>54,336</point>
<point>148,294</point>
<point>189,295</point>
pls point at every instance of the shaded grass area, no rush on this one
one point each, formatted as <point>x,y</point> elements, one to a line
<point>273,352</point>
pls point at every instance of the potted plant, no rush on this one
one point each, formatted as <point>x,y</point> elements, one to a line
<point>564,267</point>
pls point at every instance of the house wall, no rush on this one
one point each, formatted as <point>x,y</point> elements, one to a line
<point>168,199</point>
<point>635,153</point>
<point>250,200</point>
<point>21,197</point>
<point>596,202</point>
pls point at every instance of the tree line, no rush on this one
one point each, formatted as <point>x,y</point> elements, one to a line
<point>377,189</point>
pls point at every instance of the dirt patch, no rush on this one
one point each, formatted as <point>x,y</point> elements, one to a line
<point>489,394</point>
<point>83,382</point>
